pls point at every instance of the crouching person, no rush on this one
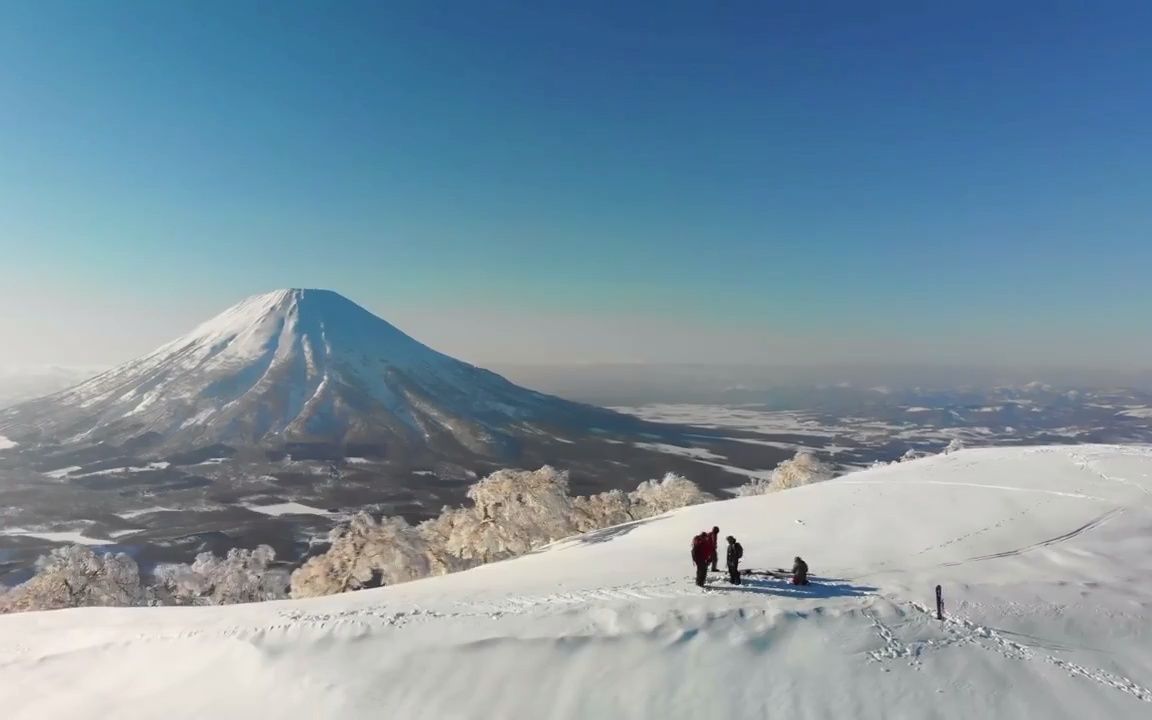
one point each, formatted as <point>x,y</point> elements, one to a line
<point>799,572</point>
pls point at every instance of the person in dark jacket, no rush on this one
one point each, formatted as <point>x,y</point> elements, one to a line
<point>701,556</point>
<point>735,552</point>
<point>715,536</point>
<point>799,572</point>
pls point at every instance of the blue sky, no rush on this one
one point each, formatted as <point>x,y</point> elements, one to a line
<point>586,182</point>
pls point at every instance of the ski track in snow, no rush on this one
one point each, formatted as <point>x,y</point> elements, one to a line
<point>979,485</point>
<point>1094,523</point>
<point>1085,463</point>
<point>963,631</point>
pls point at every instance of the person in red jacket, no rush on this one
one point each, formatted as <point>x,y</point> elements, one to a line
<point>714,538</point>
<point>701,556</point>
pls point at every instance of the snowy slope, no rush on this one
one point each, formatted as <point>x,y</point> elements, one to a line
<point>294,366</point>
<point>1045,555</point>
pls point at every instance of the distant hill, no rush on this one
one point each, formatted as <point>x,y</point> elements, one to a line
<point>18,384</point>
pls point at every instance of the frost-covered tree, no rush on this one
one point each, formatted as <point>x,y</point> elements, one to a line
<point>956,445</point>
<point>592,512</point>
<point>437,534</point>
<point>75,576</point>
<point>513,512</point>
<point>759,486</point>
<point>365,553</point>
<point>803,468</point>
<point>241,576</point>
<point>653,497</point>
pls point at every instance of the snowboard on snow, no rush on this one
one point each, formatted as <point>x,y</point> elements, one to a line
<point>779,573</point>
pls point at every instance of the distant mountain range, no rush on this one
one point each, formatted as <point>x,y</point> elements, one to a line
<point>300,368</point>
<point>19,384</point>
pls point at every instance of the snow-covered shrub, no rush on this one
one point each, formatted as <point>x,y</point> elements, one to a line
<point>437,534</point>
<point>592,512</point>
<point>75,576</point>
<point>513,512</point>
<point>241,576</point>
<point>912,454</point>
<point>954,446</point>
<point>653,497</point>
<point>364,553</point>
<point>803,468</point>
<point>756,486</point>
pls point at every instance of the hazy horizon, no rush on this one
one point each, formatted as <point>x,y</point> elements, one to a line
<point>131,332</point>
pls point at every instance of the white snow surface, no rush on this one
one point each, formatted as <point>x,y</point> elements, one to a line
<point>704,457</point>
<point>288,508</point>
<point>1044,556</point>
<point>73,537</point>
<point>71,471</point>
<point>6,444</point>
<point>62,473</point>
<point>130,514</point>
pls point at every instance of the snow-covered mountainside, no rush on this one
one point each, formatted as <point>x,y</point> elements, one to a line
<point>295,366</point>
<point>1044,555</point>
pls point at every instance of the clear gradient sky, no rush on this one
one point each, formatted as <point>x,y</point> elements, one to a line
<point>566,182</point>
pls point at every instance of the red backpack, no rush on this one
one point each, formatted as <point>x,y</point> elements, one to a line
<point>701,548</point>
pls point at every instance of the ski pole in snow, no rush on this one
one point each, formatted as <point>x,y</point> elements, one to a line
<point>939,603</point>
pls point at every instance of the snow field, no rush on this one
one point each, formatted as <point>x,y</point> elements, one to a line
<point>1045,555</point>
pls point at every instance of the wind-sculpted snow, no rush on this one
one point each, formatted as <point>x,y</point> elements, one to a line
<point>1044,556</point>
<point>295,366</point>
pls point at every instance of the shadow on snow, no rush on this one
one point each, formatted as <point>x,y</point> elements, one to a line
<point>610,533</point>
<point>783,587</point>
<point>593,537</point>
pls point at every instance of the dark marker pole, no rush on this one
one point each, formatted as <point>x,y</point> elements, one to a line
<point>939,603</point>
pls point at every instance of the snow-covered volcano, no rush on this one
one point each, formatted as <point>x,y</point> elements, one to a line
<point>297,366</point>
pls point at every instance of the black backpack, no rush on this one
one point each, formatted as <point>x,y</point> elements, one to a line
<point>736,551</point>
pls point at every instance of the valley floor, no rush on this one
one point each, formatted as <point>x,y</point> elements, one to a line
<point>1044,554</point>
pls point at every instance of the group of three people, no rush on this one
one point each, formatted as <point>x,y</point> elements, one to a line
<point>705,552</point>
